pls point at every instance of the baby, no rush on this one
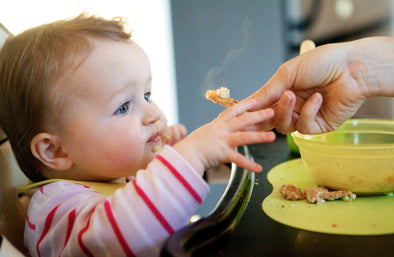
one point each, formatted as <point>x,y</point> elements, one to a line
<point>76,106</point>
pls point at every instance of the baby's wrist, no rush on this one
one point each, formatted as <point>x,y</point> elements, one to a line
<point>191,156</point>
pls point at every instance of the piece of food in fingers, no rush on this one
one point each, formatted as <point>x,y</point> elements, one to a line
<point>220,96</point>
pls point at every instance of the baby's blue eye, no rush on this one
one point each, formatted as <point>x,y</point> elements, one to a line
<point>147,96</point>
<point>123,109</point>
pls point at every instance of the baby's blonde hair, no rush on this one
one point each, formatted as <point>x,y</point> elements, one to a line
<point>31,65</point>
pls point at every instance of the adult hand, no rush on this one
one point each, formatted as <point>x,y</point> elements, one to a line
<point>321,88</point>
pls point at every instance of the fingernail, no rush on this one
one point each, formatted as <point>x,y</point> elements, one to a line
<point>316,98</point>
<point>270,112</point>
<point>288,99</point>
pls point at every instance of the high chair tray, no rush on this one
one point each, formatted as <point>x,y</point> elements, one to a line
<point>239,227</point>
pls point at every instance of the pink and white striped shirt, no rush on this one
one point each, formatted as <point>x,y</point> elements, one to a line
<point>68,219</point>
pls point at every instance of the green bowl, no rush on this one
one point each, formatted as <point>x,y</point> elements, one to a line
<point>291,144</point>
<point>358,156</point>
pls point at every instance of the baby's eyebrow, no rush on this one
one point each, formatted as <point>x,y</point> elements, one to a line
<point>148,80</point>
<point>126,87</point>
<point>121,90</point>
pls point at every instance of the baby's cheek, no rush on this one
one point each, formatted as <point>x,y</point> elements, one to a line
<point>125,158</point>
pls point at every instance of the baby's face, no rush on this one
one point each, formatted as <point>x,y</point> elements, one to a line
<point>113,128</point>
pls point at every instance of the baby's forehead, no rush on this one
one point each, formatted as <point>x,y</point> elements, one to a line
<point>104,43</point>
<point>106,60</point>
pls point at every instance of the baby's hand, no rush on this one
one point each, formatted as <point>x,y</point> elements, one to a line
<point>216,142</point>
<point>174,134</point>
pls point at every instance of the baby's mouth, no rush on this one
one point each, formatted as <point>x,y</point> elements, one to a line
<point>155,137</point>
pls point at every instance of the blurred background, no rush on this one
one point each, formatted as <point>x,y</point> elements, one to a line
<point>240,44</point>
<point>194,46</point>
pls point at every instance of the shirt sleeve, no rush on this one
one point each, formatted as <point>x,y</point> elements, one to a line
<point>67,219</point>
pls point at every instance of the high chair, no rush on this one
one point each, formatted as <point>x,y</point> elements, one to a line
<point>12,208</point>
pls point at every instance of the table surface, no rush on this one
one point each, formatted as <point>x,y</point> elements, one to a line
<point>258,235</point>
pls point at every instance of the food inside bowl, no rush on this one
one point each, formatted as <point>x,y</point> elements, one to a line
<point>357,157</point>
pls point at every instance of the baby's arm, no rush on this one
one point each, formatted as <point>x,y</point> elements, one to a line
<point>70,218</point>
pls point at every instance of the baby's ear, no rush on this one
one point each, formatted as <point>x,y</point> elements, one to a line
<point>47,148</point>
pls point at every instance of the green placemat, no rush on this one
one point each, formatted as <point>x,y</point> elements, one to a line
<point>366,215</point>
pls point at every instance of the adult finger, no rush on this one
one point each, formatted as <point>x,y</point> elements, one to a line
<point>306,46</point>
<point>307,122</point>
<point>285,117</point>
<point>284,112</point>
<point>283,79</point>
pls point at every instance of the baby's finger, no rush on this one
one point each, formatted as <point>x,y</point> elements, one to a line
<point>244,162</point>
<point>251,137</point>
<point>262,126</point>
<point>237,109</point>
<point>306,123</point>
<point>250,118</point>
<point>178,132</point>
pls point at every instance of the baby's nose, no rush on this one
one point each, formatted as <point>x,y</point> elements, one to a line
<point>151,117</point>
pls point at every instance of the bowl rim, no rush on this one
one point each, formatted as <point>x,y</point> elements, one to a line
<point>304,138</point>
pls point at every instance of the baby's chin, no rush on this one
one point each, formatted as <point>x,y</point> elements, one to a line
<point>149,155</point>
<point>152,151</point>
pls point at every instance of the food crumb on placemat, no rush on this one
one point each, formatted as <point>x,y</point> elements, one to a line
<point>315,194</point>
